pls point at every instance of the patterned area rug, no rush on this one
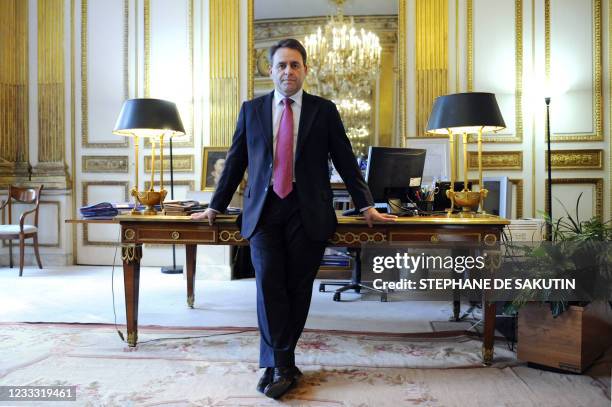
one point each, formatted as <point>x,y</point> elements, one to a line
<point>174,367</point>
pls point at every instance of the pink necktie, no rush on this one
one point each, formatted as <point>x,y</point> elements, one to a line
<point>283,161</point>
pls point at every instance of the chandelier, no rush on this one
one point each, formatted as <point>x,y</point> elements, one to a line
<point>343,59</point>
<point>355,115</point>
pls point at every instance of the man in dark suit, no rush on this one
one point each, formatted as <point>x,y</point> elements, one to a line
<point>284,139</point>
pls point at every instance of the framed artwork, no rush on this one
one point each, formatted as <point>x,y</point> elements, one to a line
<point>213,163</point>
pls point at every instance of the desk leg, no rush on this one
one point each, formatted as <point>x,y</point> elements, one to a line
<point>488,339</point>
<point>190,253</point>
<point>131,255</point>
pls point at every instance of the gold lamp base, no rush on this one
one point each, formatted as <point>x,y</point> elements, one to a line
<point>467,200</point>
<point>149,199</point>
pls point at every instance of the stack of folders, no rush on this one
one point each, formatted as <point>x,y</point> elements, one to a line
<point>102,210</point>
<point>183,208</point>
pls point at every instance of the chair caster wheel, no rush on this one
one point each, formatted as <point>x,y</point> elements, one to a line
<point>321,288</point>
<point>336,296</point>
<point>383,298</point>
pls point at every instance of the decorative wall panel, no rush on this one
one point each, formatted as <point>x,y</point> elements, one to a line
<point>104,61</point>
<point>573,65</point>
<point>495,60</point>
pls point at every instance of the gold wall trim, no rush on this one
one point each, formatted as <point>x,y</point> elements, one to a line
<point>431,58</point>
<point>520,193</point>
<point>401,54</point>
<point>121,141</point>
<point>598,182</point>
<point>470,44</point>
<point>519,197</point>
<point>533,117</point>
<point>517,137</point>
<point>610,88</point>
<point>85,201</point>
<point>251,52</point>
<point>104,163</point>
<point>224,17</point>
<point>496,160</point>
<point>51,98</point>
<point>147,47</point>
<point>597,135</point>
<point>14,108</point>
<point>181,163</point>
<point>575,159</point>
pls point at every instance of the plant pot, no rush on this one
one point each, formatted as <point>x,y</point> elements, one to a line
<point>572,341</point>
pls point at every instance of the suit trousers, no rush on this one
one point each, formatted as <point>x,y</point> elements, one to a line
<point>286,262</point>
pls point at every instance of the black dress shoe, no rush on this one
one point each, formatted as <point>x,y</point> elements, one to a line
<point>282,380</point>
<point>297,373</point>
<point>265,379</point>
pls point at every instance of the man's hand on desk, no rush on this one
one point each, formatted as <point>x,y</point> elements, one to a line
<point>209,214</point>
<point>371,215</point>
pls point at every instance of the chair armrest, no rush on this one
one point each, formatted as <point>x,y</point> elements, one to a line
<point>23,216</point>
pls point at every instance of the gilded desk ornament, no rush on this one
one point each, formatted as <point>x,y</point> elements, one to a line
<point>227,236</point>
<point>490,239</point>
<point>175,235</point>
<point>129,234</point>
<point>361,237</point>
<point>487,356</point>
<point>132,339</point>
<point>131,253</point>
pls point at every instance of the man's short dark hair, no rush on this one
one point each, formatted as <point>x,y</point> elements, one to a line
<point>288,43</point>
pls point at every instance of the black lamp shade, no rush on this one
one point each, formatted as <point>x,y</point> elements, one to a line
<point>149,118</point>
<point>465,112</point>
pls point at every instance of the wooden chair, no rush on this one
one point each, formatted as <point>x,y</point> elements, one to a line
<point>22,231</point>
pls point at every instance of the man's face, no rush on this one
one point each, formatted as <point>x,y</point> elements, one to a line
<point>288,71</point>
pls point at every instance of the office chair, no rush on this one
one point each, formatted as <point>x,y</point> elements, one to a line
<point>355,283</point>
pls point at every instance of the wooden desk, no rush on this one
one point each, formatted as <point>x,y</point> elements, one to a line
<point>351,232</point>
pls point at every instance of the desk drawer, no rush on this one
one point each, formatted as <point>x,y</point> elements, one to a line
<point>176,235</point>
<point>434,237</point>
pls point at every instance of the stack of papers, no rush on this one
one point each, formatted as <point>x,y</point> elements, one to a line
<point>183,208</point>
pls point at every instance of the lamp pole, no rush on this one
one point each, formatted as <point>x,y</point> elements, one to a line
<point>549,162</point>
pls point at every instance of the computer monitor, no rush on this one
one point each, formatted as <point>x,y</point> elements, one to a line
<point>393,173</point>
<point>499,198</point>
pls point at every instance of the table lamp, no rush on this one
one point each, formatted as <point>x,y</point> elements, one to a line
<point>155,119</point>
<point>465,113</point>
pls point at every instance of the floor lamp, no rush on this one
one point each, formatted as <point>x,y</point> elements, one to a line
<point>174,269</point>
<point>549,162</point>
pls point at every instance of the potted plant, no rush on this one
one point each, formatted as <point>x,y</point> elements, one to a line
<point>557,332</point>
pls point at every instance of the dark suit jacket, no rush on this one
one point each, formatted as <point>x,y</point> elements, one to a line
<point>320,135</point>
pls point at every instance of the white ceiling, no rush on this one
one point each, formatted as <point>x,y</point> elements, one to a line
<point>266,9</point>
